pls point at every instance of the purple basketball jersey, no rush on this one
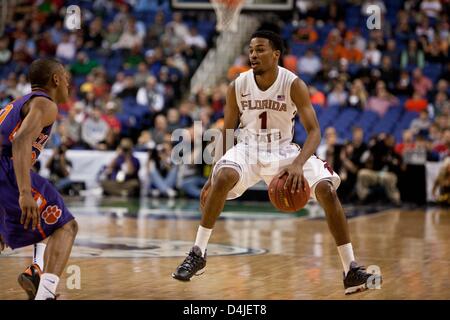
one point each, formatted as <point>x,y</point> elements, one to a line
<point>53,212</point>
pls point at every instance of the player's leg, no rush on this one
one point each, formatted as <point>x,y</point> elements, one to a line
<point>30,278</point>
<point>224,181</point>
<point>59,226</point>
<point>355,277</point>
<point>232,175</point>
<point>56,256</point>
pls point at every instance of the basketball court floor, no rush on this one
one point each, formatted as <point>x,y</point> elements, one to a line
<point>128,250</point>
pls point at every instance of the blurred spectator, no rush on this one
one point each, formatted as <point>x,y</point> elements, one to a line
<point>389,72</point>
<point>432,8</point>
<point>381,167</point>
<point>443,147</point>
<point>412,56</point>
<point>306,33</point>
<point>416,103</point>
<point>407,142</point>
<point>179,28</point>
<point>155,30</point>
<point>93,38</point>
<point>332,50</point>
<point>338,96</point>
<point>289,61</point>
<point>60,167</point>
<point>66,49</point>
<point>111,36</point>
<point>382,101</point>
<point>83,65</point>
<point>421,124</point>
<point>151,95</point>
<point>194,39</point>
<point>94,131</point>
<point>5,53</point>
<point>317,97</point>
<point>122,177</point>
<point>118,85</point>
<point>441,187</point>
<point>23,87</point>
<point>330,151</point>
<point>421,83</point>
<point>114,125</point>
<point>309,63</point>
<point>352,53</point>
<point>142,74</point>
<point>162,171</point>
<point>129,89</point>
<point>160,130</point>
<point>173,119</point>
<point>129,38</point>
<point>372,55</point>
<point>241,64</point>
<point>357,97</point>
<point>403,85</point>
<point>72,125</point>
<point>350,157</point>
<point>392,52</point>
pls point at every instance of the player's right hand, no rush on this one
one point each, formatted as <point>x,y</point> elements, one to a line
<point>30,211</point>
<point>204,193</point>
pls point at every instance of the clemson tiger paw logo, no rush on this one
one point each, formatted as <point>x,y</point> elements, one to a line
<point>51,214</point>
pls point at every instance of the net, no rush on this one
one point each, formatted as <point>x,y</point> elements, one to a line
<point>227,12</point>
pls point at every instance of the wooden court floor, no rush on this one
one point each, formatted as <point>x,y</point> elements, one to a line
<point>264,258</point>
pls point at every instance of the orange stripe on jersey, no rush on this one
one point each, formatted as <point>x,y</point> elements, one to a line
<point>41,231</point>
<point>13,133</point>
<point>40,200</point>
<point>4,112</point>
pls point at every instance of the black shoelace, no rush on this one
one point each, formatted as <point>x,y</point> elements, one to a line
<point>191,260</point>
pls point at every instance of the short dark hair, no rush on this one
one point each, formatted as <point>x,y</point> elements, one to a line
<point>41,71</point>
<point>274,39</point>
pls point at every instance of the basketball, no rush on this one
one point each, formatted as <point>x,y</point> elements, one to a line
<point>284,200</point>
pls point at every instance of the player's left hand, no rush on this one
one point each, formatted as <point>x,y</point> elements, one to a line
<point>295,179</point>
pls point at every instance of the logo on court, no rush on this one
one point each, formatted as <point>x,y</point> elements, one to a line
<point>51,214</point>
<point>127,247</point>
<point>72,20</point>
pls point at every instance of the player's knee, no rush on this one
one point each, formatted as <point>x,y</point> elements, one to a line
<point>72,227</point>
<point>325,191</point>
<point>226,178</point>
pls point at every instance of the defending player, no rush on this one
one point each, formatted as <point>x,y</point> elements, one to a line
<point>264,101</point>
<point>31,209</point>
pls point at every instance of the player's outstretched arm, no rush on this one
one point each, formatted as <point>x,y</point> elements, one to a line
<point>42,112</point>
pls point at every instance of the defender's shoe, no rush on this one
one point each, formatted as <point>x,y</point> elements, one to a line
<point>194,264</point>
<point>357,279</point>
<point>29,280</point>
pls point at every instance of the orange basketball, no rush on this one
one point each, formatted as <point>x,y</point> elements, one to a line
<point>284,200</point>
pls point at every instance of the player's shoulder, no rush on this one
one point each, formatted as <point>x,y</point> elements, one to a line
<point>288,73</point>
<point>244,75</point>
<point>41,103</point>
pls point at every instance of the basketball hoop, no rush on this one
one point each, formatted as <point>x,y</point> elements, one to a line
<point>227,12</point>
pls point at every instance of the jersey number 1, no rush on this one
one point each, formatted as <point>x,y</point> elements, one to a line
<point>263,117</point>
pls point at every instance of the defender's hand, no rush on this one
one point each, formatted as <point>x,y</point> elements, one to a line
<point>204,193</point>
<point>30,211</point>
<point>295,179</point>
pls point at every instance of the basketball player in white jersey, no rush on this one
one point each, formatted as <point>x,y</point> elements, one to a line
<point>265,101</point>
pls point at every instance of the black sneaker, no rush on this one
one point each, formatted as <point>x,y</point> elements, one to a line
<point>357,279</point>
<point>194,264</point>
<point>29,280</point>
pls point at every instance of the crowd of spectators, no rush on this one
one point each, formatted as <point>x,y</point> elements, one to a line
<point>131,63</point>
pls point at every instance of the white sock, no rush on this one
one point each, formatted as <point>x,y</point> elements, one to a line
<point>202,239</point>
<point>38,254</point>
<point>47,286</point>
<point>346,254</point>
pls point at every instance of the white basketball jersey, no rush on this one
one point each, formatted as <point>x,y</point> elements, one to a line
<point>268,114</point>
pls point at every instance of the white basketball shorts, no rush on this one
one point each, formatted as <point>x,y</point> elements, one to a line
<point>254,165</point>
